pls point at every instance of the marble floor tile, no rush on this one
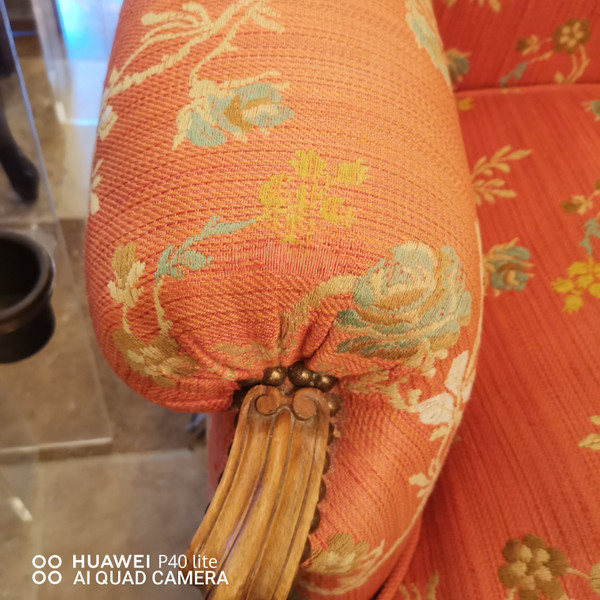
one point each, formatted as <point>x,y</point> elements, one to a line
<point>147,504</point>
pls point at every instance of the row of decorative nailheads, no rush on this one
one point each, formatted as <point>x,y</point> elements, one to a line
<point>298,374</point>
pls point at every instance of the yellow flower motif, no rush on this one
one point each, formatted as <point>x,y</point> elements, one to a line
<point>583,277</point>
<point>295,201</point>
<point>583,268</point>
<point>573,303</point>
<point>464,103</point>
<point>532,570</point>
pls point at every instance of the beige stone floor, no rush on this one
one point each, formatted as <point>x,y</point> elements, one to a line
<point>131,480</point>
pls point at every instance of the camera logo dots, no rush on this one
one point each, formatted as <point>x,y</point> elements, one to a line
<point>41,564</point>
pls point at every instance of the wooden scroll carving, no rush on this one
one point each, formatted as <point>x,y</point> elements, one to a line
<point>257,524</point>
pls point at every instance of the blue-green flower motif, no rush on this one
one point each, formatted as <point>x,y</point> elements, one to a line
<point>408,309</point>
<point>458,64</point>
<point>226,109</point>
<point>507,267</point>
<point>593,106</point>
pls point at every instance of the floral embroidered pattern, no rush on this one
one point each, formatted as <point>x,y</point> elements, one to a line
<point>532,570</point>
<point>421,20</point>
<point>458,64</point>
<point>485,185</point>
<point>506,267</point>
<point>493,4</point>
<point>582,277</point>
<point>233,107</point>
<point>444,412</point>
<point>591,230</point>
<point>341,556</point>
<point>592,441</point>
<point>215,109</point>
<point>294,201</point>
<point>440,409</point>
<point>377,556</point>
<point>415,594</point>
<point>464,104</point>
<point>593,106</point>
<point>348,563</point>
<point>409,308</point>
<point>581,204</point>
<point>570,38</point>
<point>161,358</point>
<point>377,381</point>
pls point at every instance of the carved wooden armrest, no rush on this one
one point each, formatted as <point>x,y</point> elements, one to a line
<point>258,522</point>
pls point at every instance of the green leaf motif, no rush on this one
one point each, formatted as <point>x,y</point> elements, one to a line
<point>172,262</point>
<point>516,74</point>
<point>213,227</point>
<point>592,229</point>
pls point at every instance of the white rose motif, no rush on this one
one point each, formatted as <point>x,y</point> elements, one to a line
<point>439,409</point>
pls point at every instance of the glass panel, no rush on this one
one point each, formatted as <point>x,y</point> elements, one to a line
<point>58,389</point>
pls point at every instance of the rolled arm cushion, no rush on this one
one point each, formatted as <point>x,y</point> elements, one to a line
<point>277,181</point>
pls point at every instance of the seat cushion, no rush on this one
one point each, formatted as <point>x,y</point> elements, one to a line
<point>516,511</point>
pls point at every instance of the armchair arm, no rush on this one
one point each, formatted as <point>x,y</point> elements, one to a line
<point>279,183</point>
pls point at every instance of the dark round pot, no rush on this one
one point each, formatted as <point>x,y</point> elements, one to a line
<point>26,281</point>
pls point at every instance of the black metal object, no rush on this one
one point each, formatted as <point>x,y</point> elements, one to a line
<point>26,282</point>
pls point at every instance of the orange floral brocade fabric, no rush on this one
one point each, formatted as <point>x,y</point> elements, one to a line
<point>516,511</point>
<point>515,514</point>
<point>268,187</point>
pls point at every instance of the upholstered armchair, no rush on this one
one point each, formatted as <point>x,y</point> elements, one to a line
<point>306,218</point>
